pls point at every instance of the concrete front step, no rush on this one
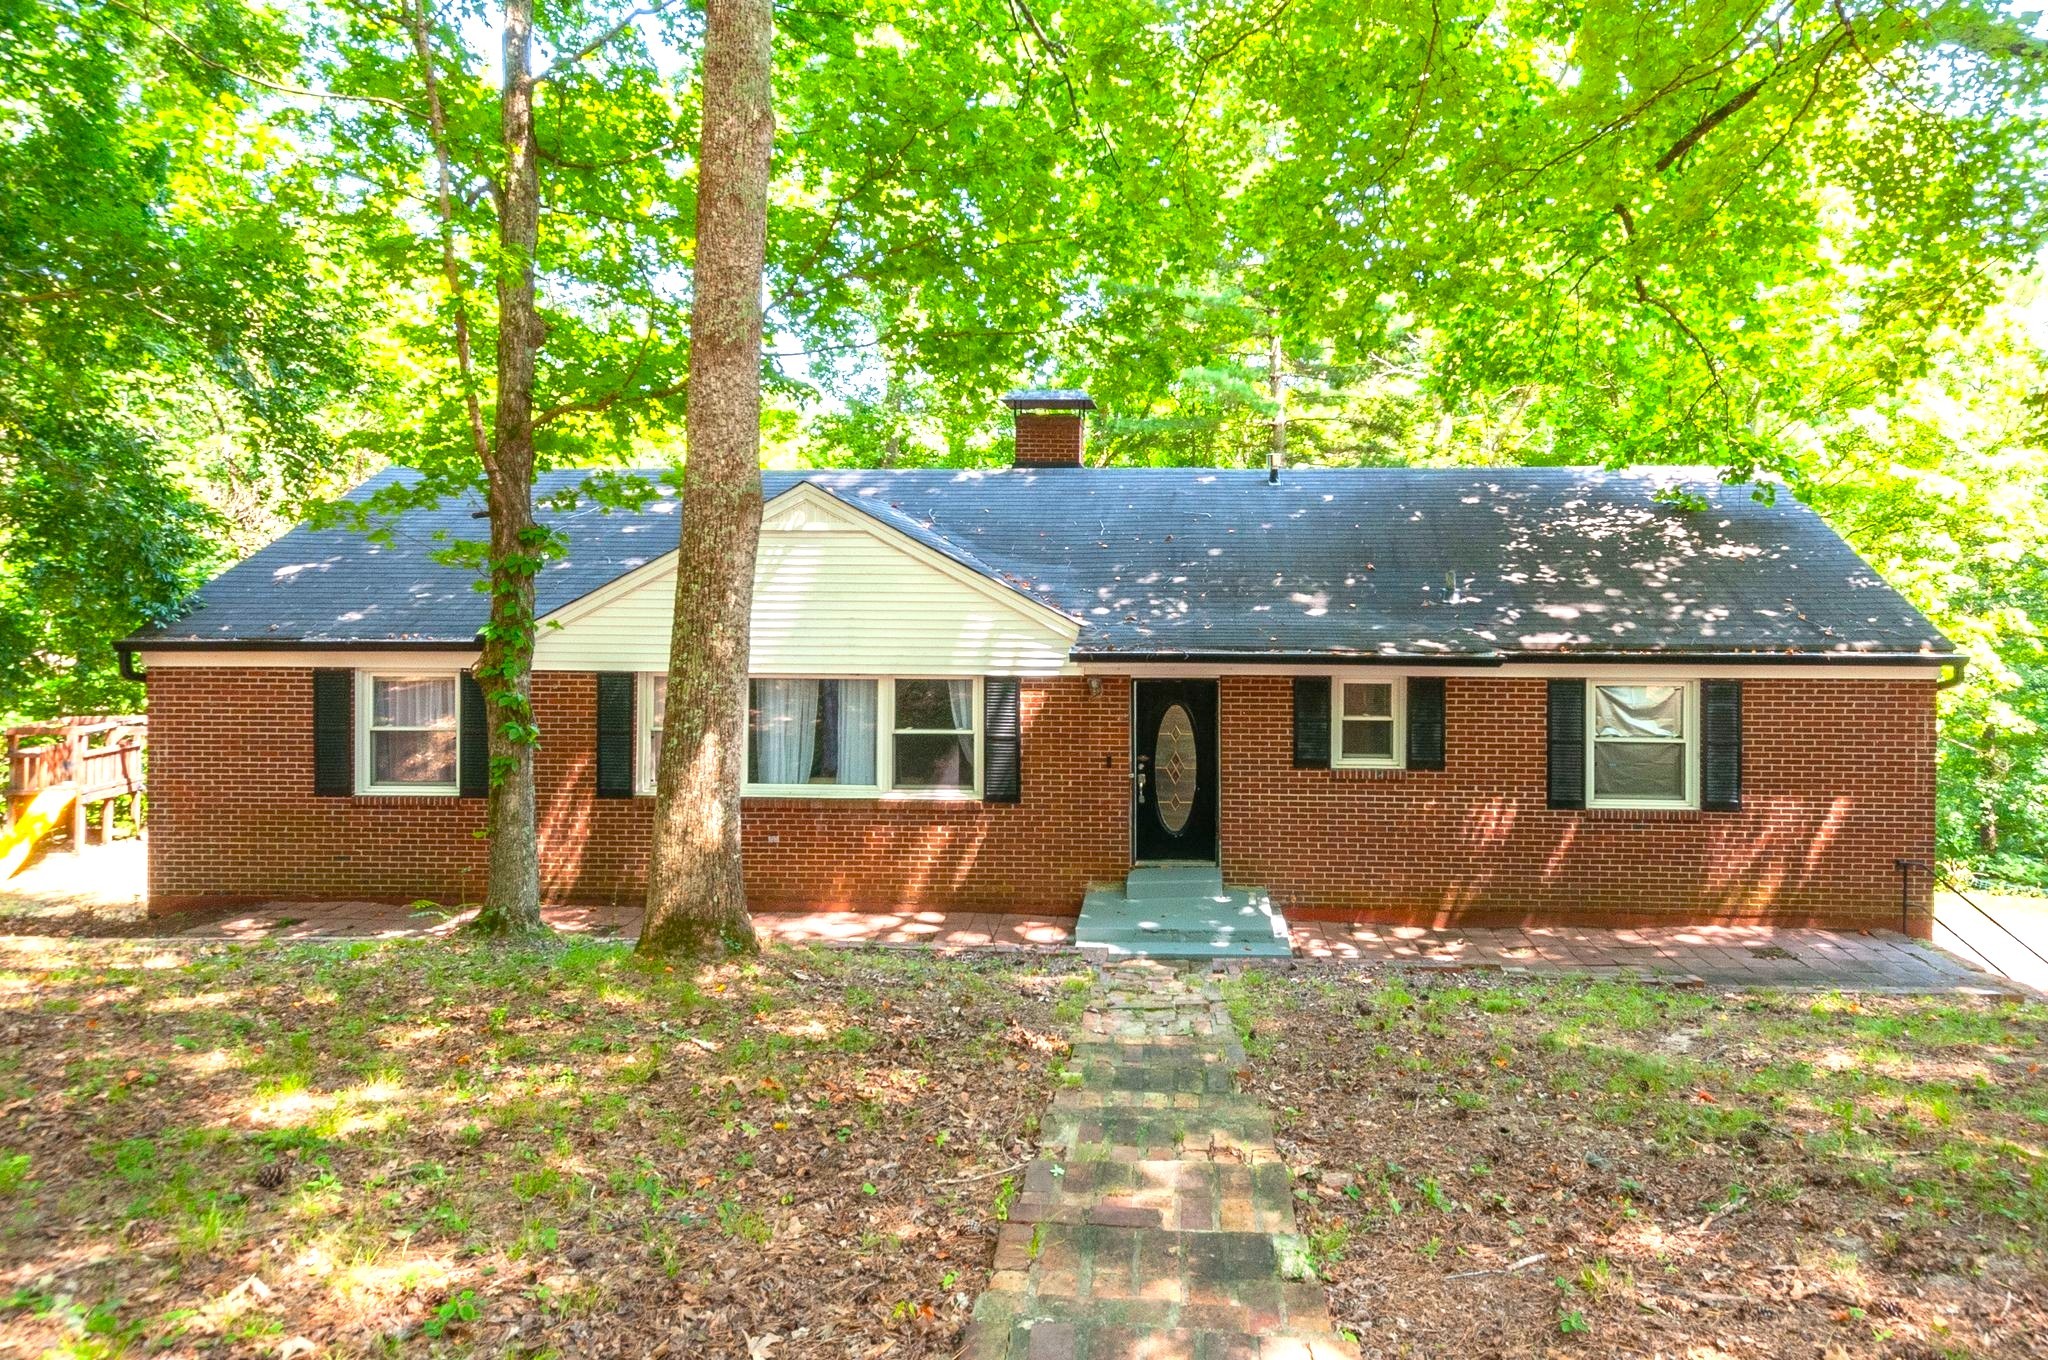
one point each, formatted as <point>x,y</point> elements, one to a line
<point>1173,880</point>
<point>1163,917</point>
<point>1185,1196</point>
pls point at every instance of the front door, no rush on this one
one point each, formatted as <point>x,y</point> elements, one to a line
<point>1173,770</point>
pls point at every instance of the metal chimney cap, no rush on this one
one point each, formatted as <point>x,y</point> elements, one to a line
<point>1048,399</point>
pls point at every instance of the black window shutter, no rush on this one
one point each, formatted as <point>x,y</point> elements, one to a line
<point>1311,722</point>
<point>1002,779</point>
<point>1426,722</point>
<point>615,734</point>
<point>1721,745</point>
<point>474,753</point>
<point>1567,728</point>
<point>334,733</point>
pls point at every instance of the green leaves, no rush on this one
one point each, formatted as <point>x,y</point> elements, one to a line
<point>169,333</point>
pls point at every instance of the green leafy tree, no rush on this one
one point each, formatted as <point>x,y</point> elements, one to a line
<point>529,217</point>
<point>167,338</point>
<point>1943,484</point>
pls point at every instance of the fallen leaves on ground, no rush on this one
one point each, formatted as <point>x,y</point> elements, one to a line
<point>1581,1168</point>
<point>444,1147</point>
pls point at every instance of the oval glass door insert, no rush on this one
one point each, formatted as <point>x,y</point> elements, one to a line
<point>1173,768</point>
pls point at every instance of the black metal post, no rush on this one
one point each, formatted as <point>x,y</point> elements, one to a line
<point>1906,868</point>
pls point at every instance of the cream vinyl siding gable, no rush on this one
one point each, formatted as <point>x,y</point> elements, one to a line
<point>836,593</point>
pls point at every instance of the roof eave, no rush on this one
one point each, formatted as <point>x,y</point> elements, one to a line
<point>1933,660</point>
<point>140,643</point>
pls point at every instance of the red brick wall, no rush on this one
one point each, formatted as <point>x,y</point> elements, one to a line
<point>1838,780</point>
<point>234,818</point>
<point>232,814</point>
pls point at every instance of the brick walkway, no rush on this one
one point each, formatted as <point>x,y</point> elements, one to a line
<point>1732,956</point>
<point>1727,956</point>
<point>1723,956</point>
<point>380,921</point>
<point>1158,1221</point>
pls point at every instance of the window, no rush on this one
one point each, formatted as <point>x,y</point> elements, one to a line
<point>410,733</point>
<point>653,709</point>
<point>934,735</point>
<point>1641,738</point>
<point>1367,727</point>
<point>810,733</point>
<point>828,737</point>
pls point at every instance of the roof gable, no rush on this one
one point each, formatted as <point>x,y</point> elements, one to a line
<point>836,591</point>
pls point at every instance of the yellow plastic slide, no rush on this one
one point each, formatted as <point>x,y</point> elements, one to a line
<point>44,814</point>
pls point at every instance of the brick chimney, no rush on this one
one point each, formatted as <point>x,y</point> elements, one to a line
<point>1052,426</point>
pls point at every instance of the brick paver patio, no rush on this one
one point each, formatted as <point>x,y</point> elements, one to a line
<point>374,920</point>
<point>1158,1221</point>
<point>1760,956</point>
<point>1714,955</point>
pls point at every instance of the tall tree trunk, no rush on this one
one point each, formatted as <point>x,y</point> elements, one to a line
<point>505,671</point>
<point>696,893</point>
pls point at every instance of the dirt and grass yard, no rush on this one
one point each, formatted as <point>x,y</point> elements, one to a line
<point>432,1148</point>
<point>436,1148</point>
<point>1571,1168</point>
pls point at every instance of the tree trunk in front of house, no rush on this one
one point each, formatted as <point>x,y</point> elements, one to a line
<point>505,670</point>
<point>696,893</point>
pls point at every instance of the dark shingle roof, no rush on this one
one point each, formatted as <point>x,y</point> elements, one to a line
<point>1453,563</point>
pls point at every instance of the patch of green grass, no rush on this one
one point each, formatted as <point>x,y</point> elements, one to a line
<point>1251,997</point>
<point>206,1227</point>
<point>735,1220</point>
<point>1073,999</point>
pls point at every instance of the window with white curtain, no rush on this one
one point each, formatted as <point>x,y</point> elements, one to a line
<point>410,733</point>
<point>653,712</point>
<point>1641,740</point>
<point>823,736</point>
<point>1366,725</point>
<point>808,733</point>
<point>935,735</point>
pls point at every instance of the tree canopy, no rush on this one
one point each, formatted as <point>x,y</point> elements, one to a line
<point>1795,241</point>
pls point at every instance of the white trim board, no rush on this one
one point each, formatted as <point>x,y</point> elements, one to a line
<point>1524,670</point>
<point>350,658</point>
<point>228,656</point>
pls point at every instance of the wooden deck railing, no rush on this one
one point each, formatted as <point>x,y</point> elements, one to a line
<point>99,757</point>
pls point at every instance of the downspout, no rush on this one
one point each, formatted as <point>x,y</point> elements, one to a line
<point>126,655</point>
<point>1952,677</point>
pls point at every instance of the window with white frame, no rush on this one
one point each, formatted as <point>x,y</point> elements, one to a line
<point>1641,740</point>
<point>845,737</point>
<point>934,735</point>
<point>410,732</point>
<point>812,733</point>
<point>653,711</point>
<point>1366,727</point>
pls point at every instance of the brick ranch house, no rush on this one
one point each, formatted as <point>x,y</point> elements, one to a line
<point>1446,695</point>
